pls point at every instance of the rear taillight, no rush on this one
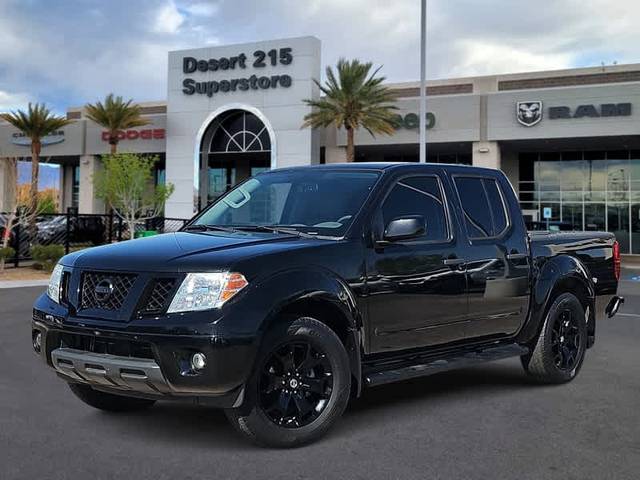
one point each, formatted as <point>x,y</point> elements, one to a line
<point>616,260</point>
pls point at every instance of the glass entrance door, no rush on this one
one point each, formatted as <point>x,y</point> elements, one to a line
<point>236,146</point>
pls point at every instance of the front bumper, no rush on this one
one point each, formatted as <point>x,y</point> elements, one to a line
<point>144,364</point>
<point>111,371</point>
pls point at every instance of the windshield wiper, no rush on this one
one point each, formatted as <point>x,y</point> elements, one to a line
<point>275,229</point>
<point>199,227</point>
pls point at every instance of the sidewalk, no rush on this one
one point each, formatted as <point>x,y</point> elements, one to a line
<point>23,277</point>
<point>630,261</point>
<point>23,283</point>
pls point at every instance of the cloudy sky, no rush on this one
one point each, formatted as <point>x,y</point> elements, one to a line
<point>68,52</point>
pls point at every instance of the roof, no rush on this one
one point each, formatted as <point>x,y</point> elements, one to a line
<point>384,166</point>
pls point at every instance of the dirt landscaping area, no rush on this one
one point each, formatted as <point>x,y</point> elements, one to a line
<point>23,273</point>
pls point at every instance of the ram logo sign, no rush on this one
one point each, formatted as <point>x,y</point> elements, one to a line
<point>529,113</point>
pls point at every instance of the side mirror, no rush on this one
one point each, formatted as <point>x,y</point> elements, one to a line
<point>404,228</point>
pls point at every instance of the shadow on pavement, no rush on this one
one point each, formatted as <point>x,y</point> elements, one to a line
<point>208,428</point>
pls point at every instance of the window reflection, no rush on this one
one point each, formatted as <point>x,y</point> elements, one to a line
<point>591,190</point>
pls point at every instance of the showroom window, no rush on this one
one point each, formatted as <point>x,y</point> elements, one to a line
<point>585,190</point>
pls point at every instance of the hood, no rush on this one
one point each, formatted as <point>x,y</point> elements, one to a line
<point>173,252</point>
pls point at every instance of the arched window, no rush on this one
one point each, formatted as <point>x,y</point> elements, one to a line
<point>240,132</point>
<point>235,146</point>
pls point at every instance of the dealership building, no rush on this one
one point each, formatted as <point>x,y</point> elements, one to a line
<point>568,140</point>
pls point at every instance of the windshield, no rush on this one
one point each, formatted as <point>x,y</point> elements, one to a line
<point>308,201</point>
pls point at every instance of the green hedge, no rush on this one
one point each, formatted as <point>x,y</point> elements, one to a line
<point>46,256</point>
<point>6,253</point>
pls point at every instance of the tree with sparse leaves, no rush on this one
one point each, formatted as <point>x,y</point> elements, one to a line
<point>115,115</point>
<point>36,123</point>
<point>355,98</point>
<point>126,184</point>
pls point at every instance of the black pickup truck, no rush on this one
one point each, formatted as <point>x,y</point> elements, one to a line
<point>301,287</point>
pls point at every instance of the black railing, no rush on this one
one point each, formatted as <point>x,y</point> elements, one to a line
<point>75,231</point>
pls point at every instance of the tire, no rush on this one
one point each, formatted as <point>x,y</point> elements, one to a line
<point>108,401</point>
<point>561,346</point>
<point>300,387</point>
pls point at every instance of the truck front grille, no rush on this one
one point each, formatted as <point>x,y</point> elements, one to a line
<point>160,296</point>
<point>105,291</point>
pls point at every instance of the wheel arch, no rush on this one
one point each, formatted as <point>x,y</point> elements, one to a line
<point>322,295</point>
<point>559,275</point>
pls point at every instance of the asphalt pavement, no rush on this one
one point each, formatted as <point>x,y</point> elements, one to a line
<point>486,422</point>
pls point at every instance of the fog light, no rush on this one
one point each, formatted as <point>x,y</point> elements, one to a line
<point>198,361</point>
<point>36,340</point>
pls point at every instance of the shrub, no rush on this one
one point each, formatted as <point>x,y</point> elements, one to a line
<point>6,252</point>
<point>46,256</point>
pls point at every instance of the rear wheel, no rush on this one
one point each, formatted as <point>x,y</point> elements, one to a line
<point>300,388</point>
<point>561,346</point>
<point>107,401</point>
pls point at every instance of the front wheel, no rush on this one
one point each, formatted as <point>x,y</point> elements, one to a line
<point>561,346</point>
<point>301,386</point>
<point>108,401</point>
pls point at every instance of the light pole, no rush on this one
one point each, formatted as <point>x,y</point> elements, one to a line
<point>423,81</point>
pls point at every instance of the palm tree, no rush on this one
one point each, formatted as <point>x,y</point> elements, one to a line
<point>115,114</point>
<point>356,98</point>
<point>37,122</point>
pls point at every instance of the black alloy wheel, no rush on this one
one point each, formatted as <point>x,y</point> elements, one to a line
<point>300,386</point>
<point>295,384</point>
<point>560,348</point>
<point>566,340</point>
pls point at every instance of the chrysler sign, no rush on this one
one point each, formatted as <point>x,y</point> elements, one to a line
<point>21,139</point>
<point>258,60</point>
<point>530,112</point>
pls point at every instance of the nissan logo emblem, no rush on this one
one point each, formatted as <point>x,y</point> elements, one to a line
<point>103,289</point>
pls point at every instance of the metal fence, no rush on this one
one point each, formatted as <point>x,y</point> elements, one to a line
<point>75,231</point>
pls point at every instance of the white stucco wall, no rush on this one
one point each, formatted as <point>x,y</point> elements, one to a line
<point>282,107</point>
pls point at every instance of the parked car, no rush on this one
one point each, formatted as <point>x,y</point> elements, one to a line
<point>82,229</point>
<point>303,287</point>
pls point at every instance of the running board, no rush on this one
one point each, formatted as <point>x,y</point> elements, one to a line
<point>443,364</point>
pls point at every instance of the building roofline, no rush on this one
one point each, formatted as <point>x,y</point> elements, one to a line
<point>475,84</point>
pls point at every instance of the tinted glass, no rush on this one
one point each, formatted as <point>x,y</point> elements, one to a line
<point>475,206</point>
<point>483,206</point>
<point>497,206</point>
<point>418,196</point>
<point>312,201</point>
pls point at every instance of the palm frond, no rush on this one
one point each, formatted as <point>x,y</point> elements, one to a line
<point>36,122</point>
<point>116,114</point>
<point>353,97</point>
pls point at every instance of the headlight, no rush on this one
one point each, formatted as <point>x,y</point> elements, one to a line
<point>204,291</point>
<point>53,290</point>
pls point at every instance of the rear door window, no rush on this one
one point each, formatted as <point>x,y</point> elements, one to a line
<point>483,206</point>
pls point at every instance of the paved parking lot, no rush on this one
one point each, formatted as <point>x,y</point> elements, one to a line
<point>485,422</point>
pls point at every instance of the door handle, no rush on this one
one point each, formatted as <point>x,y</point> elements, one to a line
<point>454,262</point>
<point>516,256</point>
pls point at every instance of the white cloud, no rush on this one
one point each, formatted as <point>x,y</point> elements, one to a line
<point>484,58</point>
<point>111,47</point>
<point>12,101</point>
<point>201,9</point>
<point>168,19</point>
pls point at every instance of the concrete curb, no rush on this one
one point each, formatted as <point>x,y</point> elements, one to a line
<point>23,283</point>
